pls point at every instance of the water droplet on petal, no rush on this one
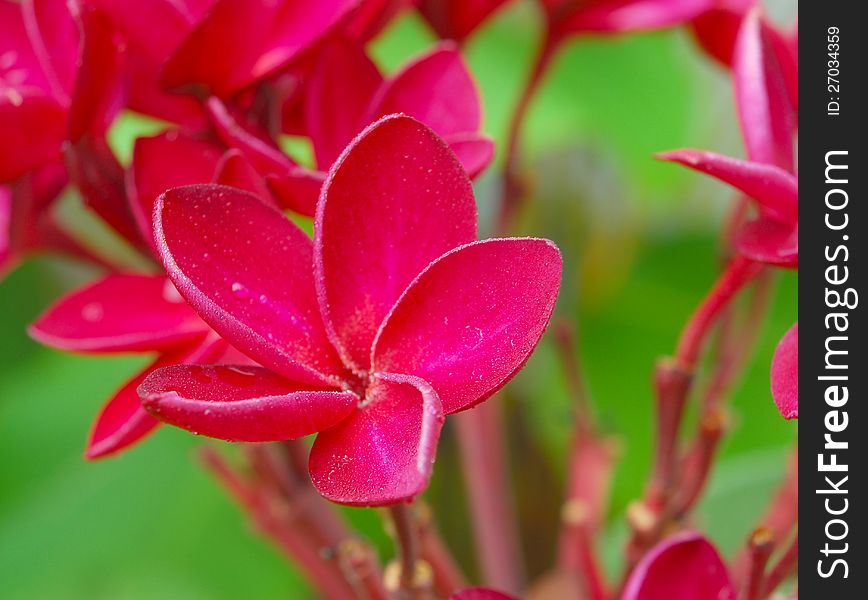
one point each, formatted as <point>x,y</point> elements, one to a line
<point>239,291</point>
<point>92,312</point>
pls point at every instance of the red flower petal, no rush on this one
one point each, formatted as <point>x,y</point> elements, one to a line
<point>98,83</point>
<point>262,153</point>
<point>123,421</point>
<point>613,16</point>
<point>338,96</point>
<point>437,89</point>
<point>395,200</point>
<point>470,321</point>
<point>99,177</point>
<point>34,127</point>
<point>152,30</point>
<point>762,97</point>
<point>54,37</point>
<point>473,150</point>
<point>457,19</point>
<point>234,170</point>
<point>770,242</point>
<point>776,190</point>
<point>683,567</point>
<point>298,190</point>
<point>383,452</point>
<point>479,594</point>
<point>246,269</point>
<point>241,41</point>
<point>785,374</point>
<point>370,17</point>
<point>21,62</point>
<point>716,29</point>
<point>165,161</point>
<point>241,404</point>
<point>120,313</point>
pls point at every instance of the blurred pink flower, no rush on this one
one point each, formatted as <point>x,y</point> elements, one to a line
<point>239,42</point>
<point>684,566</point>
<point>393,317</point>
<point>767,113</point>
<point>571,17</point>
<point>457,19</point>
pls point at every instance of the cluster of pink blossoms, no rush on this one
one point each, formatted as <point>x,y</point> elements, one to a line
<point>393,314</point>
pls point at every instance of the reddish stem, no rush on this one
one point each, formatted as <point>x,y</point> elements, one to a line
<point>697,463</point>
<point>448,577</point>
<point>482,445</point>
<point>513,190</point>
<point>760,548</point>
<point>739,271</point>
<point>578,532</point>
<point>787,565</point>
<point>408,544</point>
<point>287,538</point>
<point>358,563</point>
<point>781,516</point>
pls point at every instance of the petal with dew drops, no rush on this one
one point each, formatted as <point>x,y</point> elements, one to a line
<point>479,594</point>
<point>684,566</point>
<point>384,451</point>
<point>164,161</point>
<point>123,421</point>
<point>120,313</point>
<point>338,95</point>
<point>762,96</point>
<point>437,89</point>
<point>241,403</point>
<point>785,374</point>
<point>775,190</point>
<point>471,320</point>
<point>396,199</point>
<point>246,269</point>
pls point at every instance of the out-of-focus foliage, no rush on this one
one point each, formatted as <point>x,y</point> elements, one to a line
<point>640,245</point>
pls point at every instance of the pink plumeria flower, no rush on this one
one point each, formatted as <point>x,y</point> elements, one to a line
<point>684,566</point>
<point>119,314</point>
<point>768,121</point>
<point>458,19</point>
<point>392,317</point>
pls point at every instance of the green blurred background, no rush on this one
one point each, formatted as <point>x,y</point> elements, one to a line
<point>641,243</point>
